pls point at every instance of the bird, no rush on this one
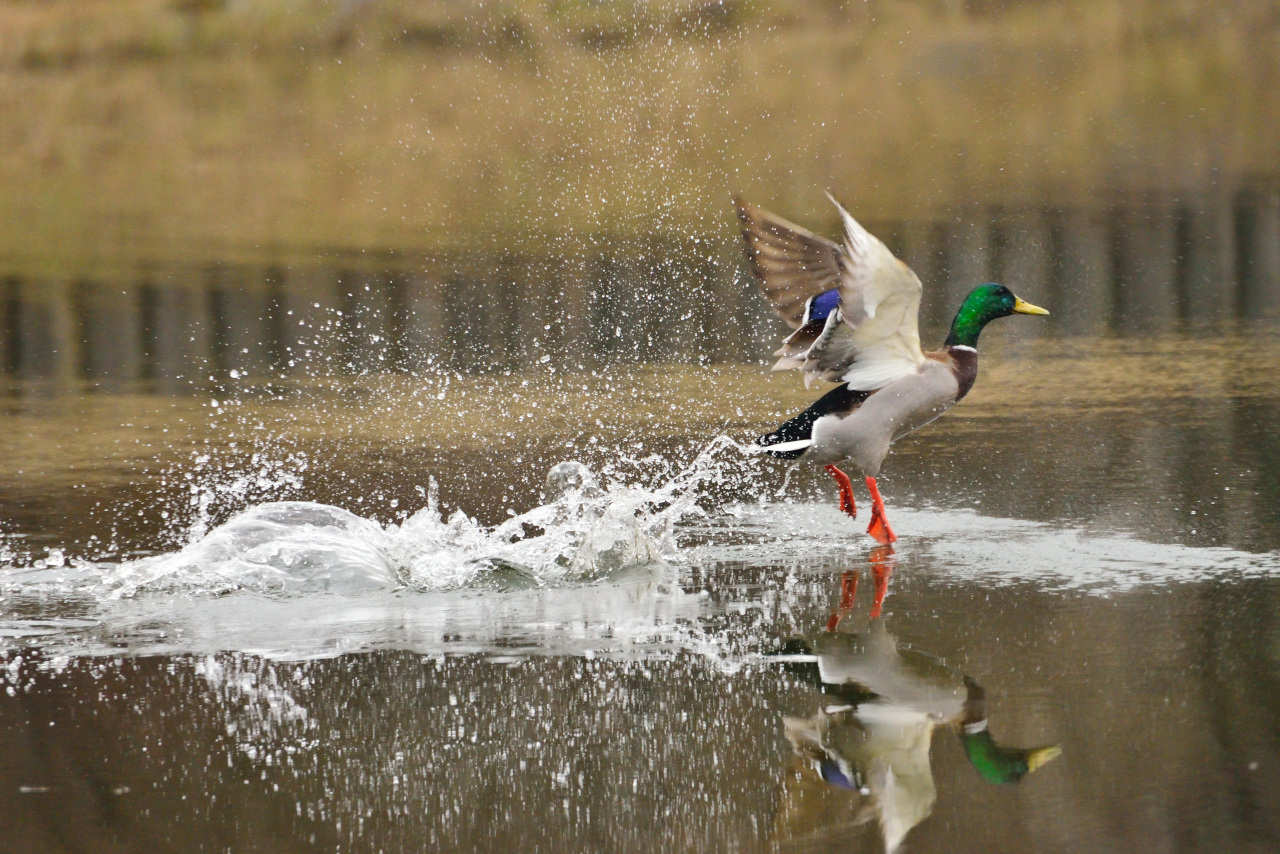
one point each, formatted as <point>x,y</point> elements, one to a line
<point>853,309</point>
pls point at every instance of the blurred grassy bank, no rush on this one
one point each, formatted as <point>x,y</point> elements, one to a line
<point>197,130</point>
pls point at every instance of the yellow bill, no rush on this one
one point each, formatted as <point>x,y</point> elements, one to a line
<point>1022,307</point>
<point>1042,755</point>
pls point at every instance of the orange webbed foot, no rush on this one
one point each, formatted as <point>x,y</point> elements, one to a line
<point>879,528</point>
<point>846,491</point>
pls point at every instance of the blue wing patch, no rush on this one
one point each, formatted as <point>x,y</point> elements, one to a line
<point>832,773</point>
<point>820,306</point>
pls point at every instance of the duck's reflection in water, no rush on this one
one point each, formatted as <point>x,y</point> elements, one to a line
<point>864,755</point>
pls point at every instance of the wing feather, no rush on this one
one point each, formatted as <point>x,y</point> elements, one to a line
<point>791,264</point>
<point>873,338</point>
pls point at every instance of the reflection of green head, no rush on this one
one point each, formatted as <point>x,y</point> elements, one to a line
<point>984,304</point>
<point>994,763</point>
<point>997,764</point>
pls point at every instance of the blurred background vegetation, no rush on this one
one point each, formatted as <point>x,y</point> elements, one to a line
<point>202,130</point>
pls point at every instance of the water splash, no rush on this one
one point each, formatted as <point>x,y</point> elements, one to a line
<point>292,547</point>
<point>586,531</point>
<point>212,486</point>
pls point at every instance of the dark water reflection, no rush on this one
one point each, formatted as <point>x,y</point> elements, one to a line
<point>1165,708</point>
<point>1138,264</point>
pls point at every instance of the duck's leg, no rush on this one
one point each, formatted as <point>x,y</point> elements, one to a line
<point>879,528</point>
<point>846,491</point>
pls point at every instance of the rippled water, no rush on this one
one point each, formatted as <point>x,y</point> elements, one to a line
<point>312,615</point>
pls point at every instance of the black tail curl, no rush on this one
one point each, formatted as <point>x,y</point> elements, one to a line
<point>840,400</point>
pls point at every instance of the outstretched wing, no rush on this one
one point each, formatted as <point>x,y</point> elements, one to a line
<point>792,265</point>
<point>869,337</point>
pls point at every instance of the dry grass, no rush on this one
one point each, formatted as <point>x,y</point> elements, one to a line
<point>198,129</point>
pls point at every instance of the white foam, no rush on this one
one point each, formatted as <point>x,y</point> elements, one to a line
<point>963,546</point>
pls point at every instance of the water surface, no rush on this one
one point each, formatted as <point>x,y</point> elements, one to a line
<point>680,655</point>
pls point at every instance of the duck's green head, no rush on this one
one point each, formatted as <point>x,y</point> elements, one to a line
<point>984,304</point>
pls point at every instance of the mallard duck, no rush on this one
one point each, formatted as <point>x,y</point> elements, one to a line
<point>854,310</point>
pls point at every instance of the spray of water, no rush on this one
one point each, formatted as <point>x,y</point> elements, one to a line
<point>585,531</point>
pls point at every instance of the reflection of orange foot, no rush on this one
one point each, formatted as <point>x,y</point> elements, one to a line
<point>881,569</point>
<point>848,592</point>
<point>846,491</point>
